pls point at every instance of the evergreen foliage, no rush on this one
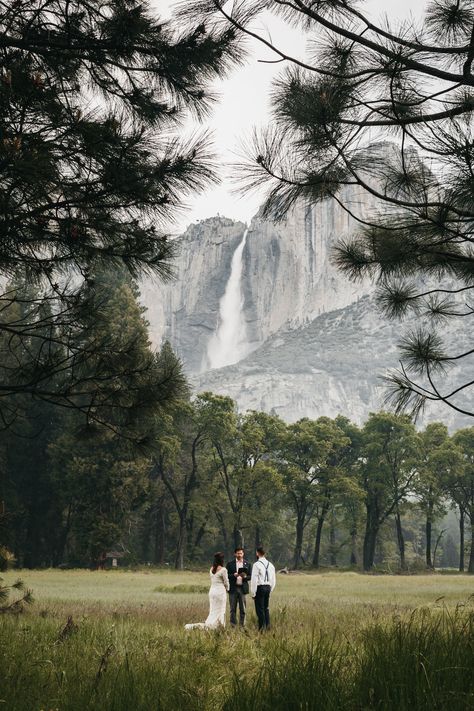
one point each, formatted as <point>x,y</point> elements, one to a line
<point>92,99</point>
<point>14,597</point>
<point>388,109</point>
<point>69,485</point>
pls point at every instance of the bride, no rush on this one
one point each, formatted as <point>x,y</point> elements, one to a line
<point>217,596</point>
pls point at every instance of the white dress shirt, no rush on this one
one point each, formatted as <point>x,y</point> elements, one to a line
<point>262,575</point>
<point>238,565</point>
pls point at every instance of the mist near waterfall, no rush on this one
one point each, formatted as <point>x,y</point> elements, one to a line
<point>229,343</point>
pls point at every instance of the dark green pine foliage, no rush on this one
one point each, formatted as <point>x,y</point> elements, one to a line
<point>14,597</point>
<point>71,480</point>
<point>123,382</point>
<point>28,516</point>
<point>101,461</point>
<point>387,109</point>
<point>114,412</point>
<point>92,101</point>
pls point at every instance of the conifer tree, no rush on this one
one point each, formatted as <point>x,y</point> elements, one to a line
<point>93,96</point>
<point>101,461</point>
<point>386,109</point>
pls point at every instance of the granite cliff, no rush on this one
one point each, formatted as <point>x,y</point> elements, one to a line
<point>332,365</point>
<point>261,313</point>
<point>287,277</point>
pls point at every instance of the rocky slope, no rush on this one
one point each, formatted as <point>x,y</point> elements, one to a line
<point>308,341</point>
<point>186,309</point>
<point>287,277</point>
<point>333,365</point>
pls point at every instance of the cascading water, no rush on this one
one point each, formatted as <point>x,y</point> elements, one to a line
<point>229,343</point>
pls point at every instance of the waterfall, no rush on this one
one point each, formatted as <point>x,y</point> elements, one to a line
<point>313,243</point>
<point>229,343</point>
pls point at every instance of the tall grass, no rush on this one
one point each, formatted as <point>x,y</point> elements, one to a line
<point>111,656</point>
<point>299,677</point>
<point>423,662</point>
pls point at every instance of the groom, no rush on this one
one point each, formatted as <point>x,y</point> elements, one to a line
<point>239,571</point>
<point>261,585</point>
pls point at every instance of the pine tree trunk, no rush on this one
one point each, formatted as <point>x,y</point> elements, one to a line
<point>470,568</point>
<point>238,538</point>
<point>319,531</point>
<point>60,549</point>
<point>317,543</point>
<point>370,540</point>
<point>181,544</point>
<point>160,535</point>
<point>400,540</point>
<point>299,542</point>
<point>332,540</point>
<point>3,515</point>
<point>146,535</point>
<point>225,537</point>
<point>199,537</point>
<point>428,534</point>
<point>353,558</point>
<point>258,537</point>
<point>461,540</point>
<point>32,553</point>
<point>428,529</point>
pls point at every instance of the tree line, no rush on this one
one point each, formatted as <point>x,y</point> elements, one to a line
<point>100,441</point>
<point>167,477</point>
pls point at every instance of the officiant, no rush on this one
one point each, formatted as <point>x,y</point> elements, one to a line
<point>239,571</point>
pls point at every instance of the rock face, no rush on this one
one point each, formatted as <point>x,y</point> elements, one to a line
<point>186,309</point>
<point>287,277</point>
<point>307,341</point>
<point>326,367</point>
<point>332,365</point>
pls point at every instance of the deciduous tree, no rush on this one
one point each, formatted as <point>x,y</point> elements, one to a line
<point>309,449</point>
<point>246,456</point>
<point>438,460</point>
<point>387,471</point>
<point>462,482</point>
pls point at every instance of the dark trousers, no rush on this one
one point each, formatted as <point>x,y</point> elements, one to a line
<point>262,600</point>
<point>237,597</point>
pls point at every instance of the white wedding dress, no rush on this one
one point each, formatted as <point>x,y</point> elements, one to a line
<point>217,602</point>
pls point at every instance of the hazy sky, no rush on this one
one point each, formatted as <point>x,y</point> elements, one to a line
<point>244,104</point>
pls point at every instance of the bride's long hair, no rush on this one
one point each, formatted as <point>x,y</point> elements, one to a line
<point>218,561</point>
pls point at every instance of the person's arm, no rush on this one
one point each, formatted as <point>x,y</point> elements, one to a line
<point>272,576</point>
<point>253,581</point>
<point>225,578</point>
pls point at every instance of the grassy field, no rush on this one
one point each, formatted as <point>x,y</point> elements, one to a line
<point>338,641</point>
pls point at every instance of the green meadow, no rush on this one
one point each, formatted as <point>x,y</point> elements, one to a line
<point>338,641</point>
